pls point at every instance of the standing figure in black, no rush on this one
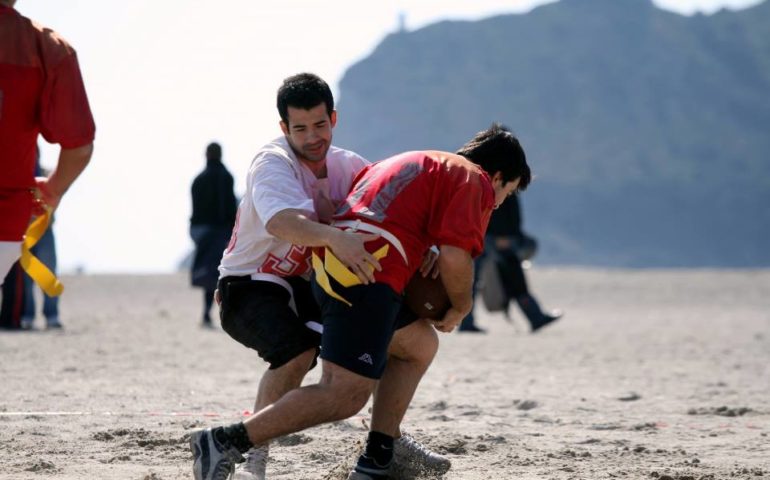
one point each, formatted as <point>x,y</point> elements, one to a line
<point>507,246</point>
<point>213,216</point>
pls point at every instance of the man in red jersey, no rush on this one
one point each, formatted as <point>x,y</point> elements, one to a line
<point>41,91</point>
<point>413,201</point>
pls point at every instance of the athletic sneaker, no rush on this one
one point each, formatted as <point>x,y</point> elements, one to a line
<point>368,469</point>
<point>411,455</point>
<point>211,459</point>
<point>255,465</point>
<point>362,476</point>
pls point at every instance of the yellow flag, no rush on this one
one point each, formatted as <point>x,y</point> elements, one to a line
<point>41,274</point>
<point>333,267</point>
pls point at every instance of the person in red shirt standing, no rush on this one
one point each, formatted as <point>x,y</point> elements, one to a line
<point>412,201</point>
<point>41,92</point>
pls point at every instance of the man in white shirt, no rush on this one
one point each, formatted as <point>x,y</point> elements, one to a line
<point>294,185</point>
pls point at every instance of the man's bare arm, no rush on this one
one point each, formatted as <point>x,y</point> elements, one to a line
<point>72,162</point>
<point>456,267</point>
<point>295,227</point>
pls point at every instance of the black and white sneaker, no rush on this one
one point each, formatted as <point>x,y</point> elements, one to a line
<point>412,456</point>
<point>211,459</point>
<point>368,469</point>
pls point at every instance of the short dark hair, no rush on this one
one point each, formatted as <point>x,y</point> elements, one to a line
<point>305,91</point>
<point>213,151</point>
<point>496,149</point>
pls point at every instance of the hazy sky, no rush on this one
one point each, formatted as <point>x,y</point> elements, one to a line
<point>166,77</point>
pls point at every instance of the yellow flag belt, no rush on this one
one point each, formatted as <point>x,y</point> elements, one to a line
<point>41,274</point>
<point>331,266</point>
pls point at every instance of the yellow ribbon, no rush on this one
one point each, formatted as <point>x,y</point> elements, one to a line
<point>339,272</point>
<point>41,274</point>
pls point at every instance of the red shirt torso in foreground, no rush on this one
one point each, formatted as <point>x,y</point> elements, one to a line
<point>423,198</point>
<point>41,92</point>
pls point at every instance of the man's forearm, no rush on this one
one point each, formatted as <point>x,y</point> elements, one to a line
<point>297,228</point>
<point>72,162</point>
<point>456,267</point>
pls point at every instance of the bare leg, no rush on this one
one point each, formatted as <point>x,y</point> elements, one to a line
<point>410,353</point>
<point>339,395</point>
<point>272,386</point>
<point>275,383</point>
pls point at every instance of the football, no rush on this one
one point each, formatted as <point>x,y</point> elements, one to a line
<point>426,297</point>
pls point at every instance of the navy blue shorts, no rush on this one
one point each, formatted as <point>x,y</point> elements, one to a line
<point>257,314</point>
<point>357,337</point>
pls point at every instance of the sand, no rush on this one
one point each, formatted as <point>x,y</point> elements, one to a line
<point>651,374</point>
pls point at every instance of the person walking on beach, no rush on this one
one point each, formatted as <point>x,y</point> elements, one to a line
<point>45,251</point>
<point>506,247</point>
<point>213,216</point>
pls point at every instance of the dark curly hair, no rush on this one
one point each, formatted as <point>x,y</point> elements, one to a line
<point>305,91</point>
<point>496,149</point>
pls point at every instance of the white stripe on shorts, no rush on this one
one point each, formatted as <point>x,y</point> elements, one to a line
<point>9,253</point>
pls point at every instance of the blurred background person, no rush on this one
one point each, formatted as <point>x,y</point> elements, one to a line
<point>213,216</point>
<point>41,91</point>
<point>45,251</point>
<point>507,246</point>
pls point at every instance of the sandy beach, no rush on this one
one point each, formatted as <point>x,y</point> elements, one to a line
<point>655,374</point>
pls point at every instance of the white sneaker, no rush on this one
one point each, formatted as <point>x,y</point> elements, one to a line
<point>255,465</point>
<point>411,455</point>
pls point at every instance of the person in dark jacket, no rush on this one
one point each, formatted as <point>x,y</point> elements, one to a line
<point>507,246</point>
<point>213,216</point>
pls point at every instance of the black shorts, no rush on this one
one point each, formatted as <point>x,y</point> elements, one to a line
<point>405,316</point>
<point>258,315</point>
<point>357,337</point>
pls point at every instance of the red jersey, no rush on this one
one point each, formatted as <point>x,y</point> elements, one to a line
<point>41,91</point>
<point>423,199</point>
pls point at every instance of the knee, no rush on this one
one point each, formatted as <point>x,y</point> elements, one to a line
<point>352,401</point>
<point>300,365</point>
<point>348,395</point>
<point>422,345</point>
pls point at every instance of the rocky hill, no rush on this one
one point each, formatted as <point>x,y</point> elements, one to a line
<point>649,131</point>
